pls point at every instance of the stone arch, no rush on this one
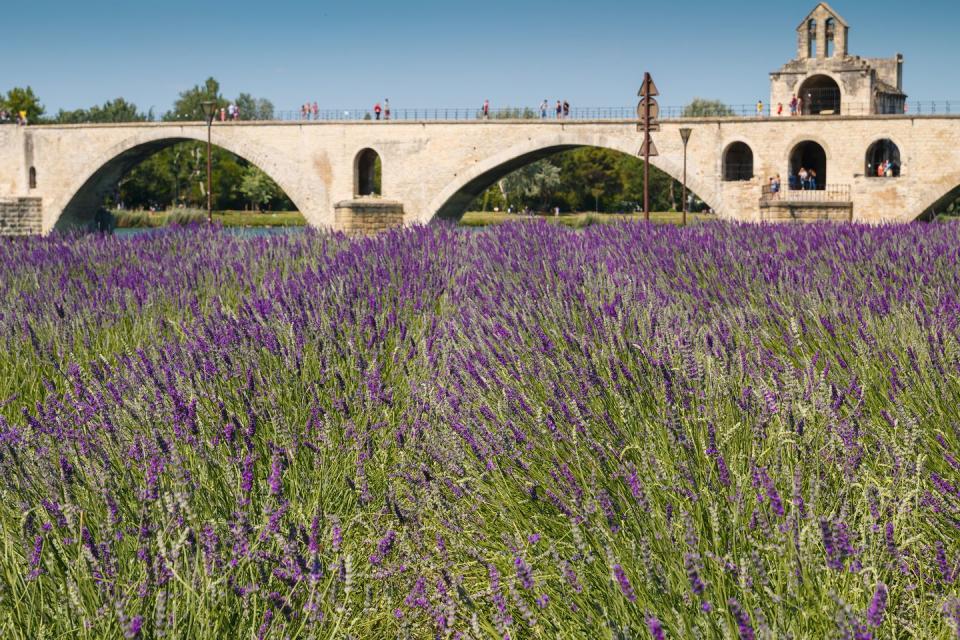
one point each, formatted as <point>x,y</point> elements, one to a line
<point>808,154</point>
<point>821,95</point>
<point>367,173</point>
<point>881,151</point>
<point>830,29</point>
<point>811,38</point>
<point>451,203</point>
<point>737,162</point>
<point>935,198</point>
<point>84,196</point>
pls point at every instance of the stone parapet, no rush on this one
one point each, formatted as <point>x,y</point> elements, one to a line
<point>21,216</point>
<point>366,216</point>
<point>805,211</point>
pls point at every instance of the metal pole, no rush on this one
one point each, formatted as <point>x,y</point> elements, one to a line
<point>209,172</point>
<point>646,153</point>
<point>684,183</point>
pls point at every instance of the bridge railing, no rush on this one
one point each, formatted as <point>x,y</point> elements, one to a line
<point>824,193</point>
<point>930,107</point>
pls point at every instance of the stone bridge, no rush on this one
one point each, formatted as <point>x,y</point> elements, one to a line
<point>434,170</point>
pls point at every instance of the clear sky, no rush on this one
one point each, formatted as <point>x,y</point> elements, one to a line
<point>425,53</point>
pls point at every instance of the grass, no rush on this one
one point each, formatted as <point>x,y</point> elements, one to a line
<point>146,219</point>
<point>579,220</point>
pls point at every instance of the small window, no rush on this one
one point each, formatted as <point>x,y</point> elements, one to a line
<point>831,36</point>
<point>738,163</point>
<point>812,39</point>
<point>33,178</point>
<point>369,173</point>
<point>883,160</point>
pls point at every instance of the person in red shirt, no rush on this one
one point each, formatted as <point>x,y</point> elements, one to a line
<point>377,110</point>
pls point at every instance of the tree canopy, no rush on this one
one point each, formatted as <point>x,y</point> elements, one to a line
<point>23,100</point>
<point>703,108</point>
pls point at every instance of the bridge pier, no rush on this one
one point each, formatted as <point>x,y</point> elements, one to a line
<point>21,216</point>
<point>367,216</point>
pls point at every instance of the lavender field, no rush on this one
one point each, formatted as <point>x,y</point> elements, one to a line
<point>623,432</point>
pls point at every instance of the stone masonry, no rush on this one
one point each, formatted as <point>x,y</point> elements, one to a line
<point>435,169</point>
<point>21,216</point>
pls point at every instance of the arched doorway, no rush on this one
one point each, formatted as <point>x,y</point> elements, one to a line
<point>883,160</point>
<point>738,163</point>
<point>820,95</point>
<point>368,174</point>
<point>806,157</point>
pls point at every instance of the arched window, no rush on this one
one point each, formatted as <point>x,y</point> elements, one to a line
<point>812,39</point>
<point>831,37</point>
<point>820,95</point>
<point>368,172</point>
<point>33,178</point>
<point>737,163</point>
<point>808,167</point>
<point>883,160</point>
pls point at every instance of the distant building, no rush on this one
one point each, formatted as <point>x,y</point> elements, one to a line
<point>829,80</point>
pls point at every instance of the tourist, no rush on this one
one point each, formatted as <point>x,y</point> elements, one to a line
<point>316,111</point>
<point>22,118</point>
<point>559,110</point>
<point>759,108</point>
<point>813,179</point>
<point>486,109</point>
<point>223,114</point>
<point>377,110</point>
<point>303,111</point>
<point>793,106</point>
<point>803,175</point>
<point>566,109</point>
<point>386,108</point>
<point>799,106</point>
<point>779,109</point>
<point>775,187</point>
<point>543,109</point>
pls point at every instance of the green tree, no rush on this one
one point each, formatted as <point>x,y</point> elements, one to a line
<point>532,184</point>
<point>258,188</point>
<point>254,108</point>
<point>702,108</point>
<point>118,110</point>
<point>20,99</point>
<point>189,105</point>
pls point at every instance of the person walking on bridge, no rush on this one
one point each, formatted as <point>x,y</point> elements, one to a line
<point>559,110</point>
<point>377,110</point>
<point>486,109</point>
<point>566,109</point>
<point>386,108</point>
<point>543,109</point>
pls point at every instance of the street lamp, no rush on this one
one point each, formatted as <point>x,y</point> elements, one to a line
<point>685,136</point>
<point>209,108</point>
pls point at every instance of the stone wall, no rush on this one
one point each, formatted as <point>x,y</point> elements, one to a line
<point>366,216</point>
<point>21,216</point>
<point>785,211</point>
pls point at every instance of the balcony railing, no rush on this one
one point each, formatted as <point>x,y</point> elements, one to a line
<point>839,193</point>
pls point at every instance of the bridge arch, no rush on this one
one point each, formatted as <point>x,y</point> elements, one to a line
<point>452,202</point>
<point>83,197</point>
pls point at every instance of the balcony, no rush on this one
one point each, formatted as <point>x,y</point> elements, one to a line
<point>832,202</point>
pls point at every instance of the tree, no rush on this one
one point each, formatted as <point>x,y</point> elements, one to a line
<point>258,187</point>
<point>702,108</point>
<point>21,99</point>
<point>533,183</point>
<point>254,108</point>
<point>189,106</point>
<point>118,110</point>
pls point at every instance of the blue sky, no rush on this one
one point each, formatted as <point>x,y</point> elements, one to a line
<point>448,54</point>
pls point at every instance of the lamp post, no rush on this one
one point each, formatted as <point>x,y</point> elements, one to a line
<point>685,136</point>
<point>209,108</point>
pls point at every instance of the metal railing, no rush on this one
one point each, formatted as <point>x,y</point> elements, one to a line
<point>454,114</point>
<point>827,193</point>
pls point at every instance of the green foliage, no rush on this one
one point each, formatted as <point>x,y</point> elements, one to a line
<point>189,106</point>
<point>254,108</point>
<point>258,188</point>
<point>20,99</point>
<point>514,113</point>
<point>118,110</point>
<point>703,108</point>
<point>588,178</point>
